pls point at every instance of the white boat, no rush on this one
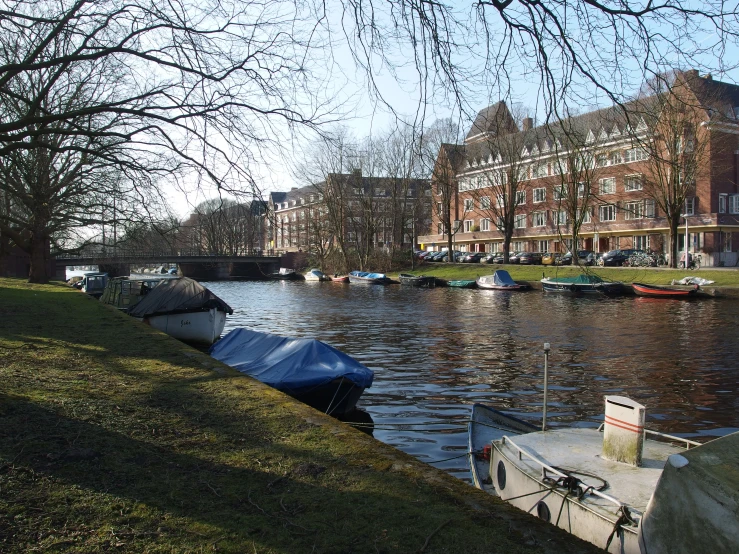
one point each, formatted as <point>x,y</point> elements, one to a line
<point>184,309</point>
<point>601,485</point>
<point>316,275</point>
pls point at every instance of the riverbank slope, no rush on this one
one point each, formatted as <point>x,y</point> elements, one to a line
<point>115,437</point>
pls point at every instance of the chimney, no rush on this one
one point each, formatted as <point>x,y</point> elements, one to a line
<point>528,124</point>
<point>623,432</point>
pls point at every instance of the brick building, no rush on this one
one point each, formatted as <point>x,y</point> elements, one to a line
<point>623,204</point>
<point>378,212</point>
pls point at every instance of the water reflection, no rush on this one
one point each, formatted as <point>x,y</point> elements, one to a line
<point>437,351</point>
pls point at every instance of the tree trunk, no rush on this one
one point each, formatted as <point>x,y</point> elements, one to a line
<point>39,260</point>
<point>674,255</point>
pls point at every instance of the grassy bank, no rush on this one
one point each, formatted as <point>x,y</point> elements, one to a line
<point>114,437</point>
<point>656,276</point>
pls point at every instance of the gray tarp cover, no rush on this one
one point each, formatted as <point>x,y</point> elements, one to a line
<point>178,295</point>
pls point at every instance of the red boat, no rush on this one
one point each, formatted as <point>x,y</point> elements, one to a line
<point>342,279</point>
<point>658,291</point>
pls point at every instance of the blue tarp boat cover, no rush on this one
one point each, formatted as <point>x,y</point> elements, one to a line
<point>288,364</point>
<point>503,279</point>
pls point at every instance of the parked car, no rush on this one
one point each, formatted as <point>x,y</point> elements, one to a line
<point>530,258</point>
<point>586,257</point>
<point>473,257</point>
<point>564,259</point>
<point>514,257</point>
<point>617,257</point>
<point>550,258</point>
<point>491,257</point>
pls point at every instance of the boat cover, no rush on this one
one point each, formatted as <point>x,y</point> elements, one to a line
<point>694,507</point>
<point>288,364</point>
<point>366,275</point>
<point>582,279</point>
<point>176,296</point>
<point>503,279</point>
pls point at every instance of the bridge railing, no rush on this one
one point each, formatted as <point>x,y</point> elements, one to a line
<point>126,253</point>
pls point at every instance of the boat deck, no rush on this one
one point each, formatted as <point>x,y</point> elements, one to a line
<point>579,450</point>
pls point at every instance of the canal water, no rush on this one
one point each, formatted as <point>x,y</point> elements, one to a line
<point>435,352</point>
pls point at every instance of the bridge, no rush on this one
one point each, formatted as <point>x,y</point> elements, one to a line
<point>252,265</point>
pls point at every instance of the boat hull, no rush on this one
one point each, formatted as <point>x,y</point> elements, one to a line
<point>462,284</point>
<point>581,288</point>
<point>655,291</point>
<point>337,397</point>
<point>203,327</point>
<point>423,281</point>
<point>368,278</point>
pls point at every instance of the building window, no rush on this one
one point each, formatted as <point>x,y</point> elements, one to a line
<point>520,221</point>
<point>438,228</point>
<point>542,245</point>
<point>608,185</point>
<point>601,160</point>
<point>607,212</point>
<point>650,209</point>
<point>689,206</point>
<point>517,246</point>
<point>485,203</point>
<point>520,197</point>
<point>495,247</point>
<point>561,217</point>
<point>468,224</point>
<point>559,192</point>
<point>580,190</point>
<point>539,219</point>
<point>636,155</point>
<point>616,158</point>
<point>734,203</point>
<point>586,215</point>
<point>727,242</point>
<point>540,195</point>
<point>468,204</point>
<point>634,210</point>
<point>484,225</point>
<point>722,198</point>
<point>632,183</point>
<point>641,242</point>
<point>500,200</point>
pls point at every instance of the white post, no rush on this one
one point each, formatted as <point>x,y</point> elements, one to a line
<point>687,238</point>
<point>546,386</point>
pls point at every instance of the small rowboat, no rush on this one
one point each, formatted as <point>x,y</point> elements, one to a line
<point>463,284</point>
<point>582,284</point>
<point>500,280</point>
<point>658,291</point>
<point>425,281</point>
<point>342,279</point>
<point>369,278</point>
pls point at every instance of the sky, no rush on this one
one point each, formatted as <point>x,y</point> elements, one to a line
<point>364,115</point>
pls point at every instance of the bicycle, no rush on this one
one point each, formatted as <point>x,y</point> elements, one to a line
<point>694,261</point>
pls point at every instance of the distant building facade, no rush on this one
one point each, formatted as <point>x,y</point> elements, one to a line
<point>624,209</point>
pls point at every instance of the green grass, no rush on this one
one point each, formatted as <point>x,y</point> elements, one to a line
<point>655,276</point>
<point>117,438</point>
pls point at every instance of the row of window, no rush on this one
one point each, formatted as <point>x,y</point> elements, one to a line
<point>548,169</point>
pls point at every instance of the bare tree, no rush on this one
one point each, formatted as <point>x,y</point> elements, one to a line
<point>677,147</point>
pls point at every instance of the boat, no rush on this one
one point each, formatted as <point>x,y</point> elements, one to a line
<point>124,293</point>
<point>93,284</point>
<point>601,484</point>
<point>184,309</point>
<point>500,280</point>
<point>462,283</point>
<point>369,278</point>
<point>340,279</point>
<point>316,275</point>
<point>306,369</point>
<point>660,291</point>
<point>582,284</point>
<point>286,274</point>
<point>425,281</point>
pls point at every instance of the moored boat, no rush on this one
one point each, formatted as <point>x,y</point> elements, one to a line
<point>660,291</point>
<point>425,281</point>
<point>500,280</point>
<point>306,369</point>
<point>602,485</point>
<point>462,283</point>
<point>184,309</point>
<point>93,284</point>
<point>125,292</point>
<point>369,278</point>
<point>340,279</point>
<point>316,275</point>
<point>286,274</point>
<point>582,284</point>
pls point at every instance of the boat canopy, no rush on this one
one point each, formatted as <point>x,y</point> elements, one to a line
<point>177,296</point>
<point>288,364</point>
<point>582,279</point>
<point>503,278</point>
